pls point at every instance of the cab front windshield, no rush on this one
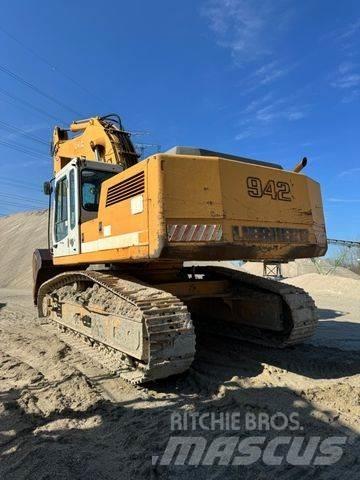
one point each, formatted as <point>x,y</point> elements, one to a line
<point>91,181</point>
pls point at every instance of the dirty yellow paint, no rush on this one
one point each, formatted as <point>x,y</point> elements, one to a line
<point>191,190</point>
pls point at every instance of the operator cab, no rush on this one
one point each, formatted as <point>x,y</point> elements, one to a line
<point>76,200</point>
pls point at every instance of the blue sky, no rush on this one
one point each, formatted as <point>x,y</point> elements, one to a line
<point>273,80</point>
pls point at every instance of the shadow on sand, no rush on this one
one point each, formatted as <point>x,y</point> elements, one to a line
<point>327,313</point>
<point>113,440</point>
<point>127,435</point>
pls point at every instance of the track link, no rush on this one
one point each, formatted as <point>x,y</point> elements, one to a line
<point>168,326</point>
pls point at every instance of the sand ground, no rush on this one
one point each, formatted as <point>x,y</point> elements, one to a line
<point>64,415</point>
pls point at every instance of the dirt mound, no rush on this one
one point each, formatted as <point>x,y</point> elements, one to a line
<point>330,284</point>
<point>303,267</point>
<point>20,234</point>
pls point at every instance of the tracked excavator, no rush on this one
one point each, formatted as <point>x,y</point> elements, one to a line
<point>121,231</point>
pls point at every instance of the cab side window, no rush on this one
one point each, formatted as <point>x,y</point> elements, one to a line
<point>91,181</point>
<point>61,209</point>
<point>90,195</point>
<point>72,200</point>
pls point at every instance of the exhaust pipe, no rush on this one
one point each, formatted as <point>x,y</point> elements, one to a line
<point>300,165</point>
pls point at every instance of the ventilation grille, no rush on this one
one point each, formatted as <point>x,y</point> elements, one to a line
<point>128,188</point>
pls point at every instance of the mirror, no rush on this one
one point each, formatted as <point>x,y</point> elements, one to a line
<point>47,188</point>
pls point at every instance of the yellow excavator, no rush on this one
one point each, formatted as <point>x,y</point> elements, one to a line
<point>121,231</point>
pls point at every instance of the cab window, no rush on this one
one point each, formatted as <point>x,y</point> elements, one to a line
<point>91,181</point>
<point>61,209</point>
<point>72,200</point>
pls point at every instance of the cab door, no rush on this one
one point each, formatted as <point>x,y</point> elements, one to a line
<point>66,239</point>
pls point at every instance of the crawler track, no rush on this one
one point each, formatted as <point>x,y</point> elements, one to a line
<point>168,330</point>
<point>300,313</point>
<point>160,322</point>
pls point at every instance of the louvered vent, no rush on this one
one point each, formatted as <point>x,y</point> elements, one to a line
<point>128,188</point>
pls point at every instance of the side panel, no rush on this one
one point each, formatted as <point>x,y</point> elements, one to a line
<point>120,230</point>
<point>123,214</point>
<point>316,206</point>
<point>193,187</point>
<point>157,224</point>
